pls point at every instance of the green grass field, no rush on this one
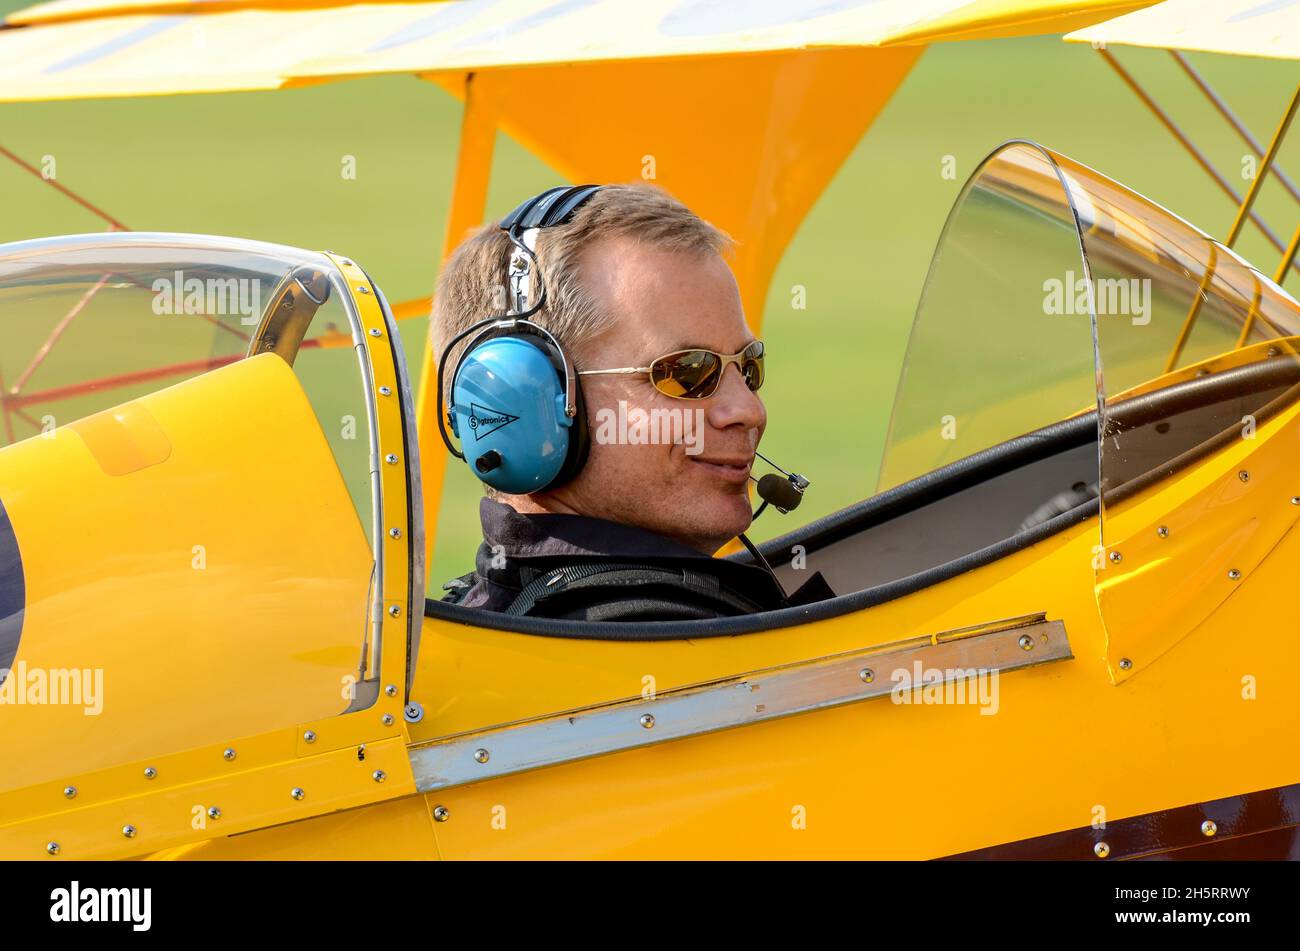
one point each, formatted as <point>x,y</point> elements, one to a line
<point>267,166</point>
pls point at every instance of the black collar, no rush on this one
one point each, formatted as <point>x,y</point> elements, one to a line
<point>515,535</point>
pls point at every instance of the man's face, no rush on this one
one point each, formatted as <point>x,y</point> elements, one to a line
<point>681,469</point>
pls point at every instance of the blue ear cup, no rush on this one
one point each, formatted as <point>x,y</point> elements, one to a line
<point>508,410</point>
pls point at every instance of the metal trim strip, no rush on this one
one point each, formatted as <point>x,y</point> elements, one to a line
<point>747,698</point>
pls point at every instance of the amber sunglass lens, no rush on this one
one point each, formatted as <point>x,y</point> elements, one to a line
<point>752,366</point>
<point>689,375</point>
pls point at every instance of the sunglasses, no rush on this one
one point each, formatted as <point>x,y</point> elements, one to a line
<point>696,374</point>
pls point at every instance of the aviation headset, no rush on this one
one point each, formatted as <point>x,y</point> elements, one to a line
<point>516,402</point>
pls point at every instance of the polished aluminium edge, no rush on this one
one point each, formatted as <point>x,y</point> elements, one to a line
<point>735,701</point>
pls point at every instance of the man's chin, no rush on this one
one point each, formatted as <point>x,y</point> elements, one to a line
<point>725,520</point>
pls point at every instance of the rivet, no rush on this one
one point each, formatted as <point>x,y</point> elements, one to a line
<point>70,792</point>
<point>1234,575</point>
<point>386,719</point>
<point>481,756</point>
<point>150,772</point>
<point>648,720</point>
<point>385,391</point>
<point>1026,642</point>
<point>214,812</point>
<point>391,459</point>
<point>1273,352</point>
<point>1101,850</point>
<point>1243,475</point>
<point>296,792</point>
<point>441,814</point>
<point>394,533</point>
<point>1116,557</point>
<point>379,775</point>
<point>228,753</point>
<point>866,674</point>
<point>128,831</point>
<point>1209,827</point>
<point>309,736</point>
<point>1125,663</point>
<point>394,610</point>
<point>52,848</point>
<point>362,289</point>
<point>391,690</point>
<point>1163,531</point>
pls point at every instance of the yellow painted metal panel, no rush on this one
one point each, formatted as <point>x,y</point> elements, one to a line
<point>216,593</point>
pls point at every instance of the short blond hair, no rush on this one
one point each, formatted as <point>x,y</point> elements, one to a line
<point>472,284</point>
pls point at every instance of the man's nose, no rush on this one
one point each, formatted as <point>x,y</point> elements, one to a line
<point>735,404</point>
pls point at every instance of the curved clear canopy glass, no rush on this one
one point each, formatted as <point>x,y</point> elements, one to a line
<point>1056,291</point>
<point>994,353</point>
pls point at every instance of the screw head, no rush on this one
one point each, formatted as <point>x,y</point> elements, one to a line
<point>214,812</point>
<point>394,610</point>
<point>70,792</point>
<point>296,792</point>
<point>441,814</point>
<point>1026,642</point>
<point>414,713</point>
<point>52,848</point>
<point>376,332</point>
<point>391,459</point>
<point>386,719</point>
<point>1116,557</point>
<point>1163,531</point>
<point>481,756</point>
<point>1243,475</point>
<point>1101,850</point>
<point>379,775</point>
<point>1234,575</point>
<point>866,675</point>
<point>394,533</point>
<point>309,736</point>
<point>1125,664</point>
<point>1295,500</point>
<point>228,753</point>
<point>385,391</point>
<point>362,289</point>
<point>150,772</point>
<point>128,831</point>
<point>1209,827</point>
<point>647,721</point>
<point>391,690</point>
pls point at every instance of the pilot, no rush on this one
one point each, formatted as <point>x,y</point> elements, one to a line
<point>595,364</point>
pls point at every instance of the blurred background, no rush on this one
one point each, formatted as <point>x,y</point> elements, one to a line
<point>267,166</point>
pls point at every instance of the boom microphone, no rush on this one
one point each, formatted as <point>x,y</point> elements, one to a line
<point>784,495</point>
<point>779,492</point>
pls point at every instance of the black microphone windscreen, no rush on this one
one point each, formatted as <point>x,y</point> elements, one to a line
<point>777,490</point>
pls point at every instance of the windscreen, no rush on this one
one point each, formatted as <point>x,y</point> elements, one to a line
<point>1002,343</point>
